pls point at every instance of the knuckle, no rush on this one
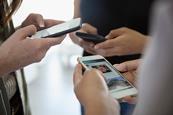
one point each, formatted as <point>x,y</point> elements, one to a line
<point>31,15</point>
<point>39,56</point>
<point>104,53</point>
<point>37,45</point>
<point>90,72</point>
<point>20,31</point>
<point>94,30</point>
<point>112,31</point>
<point>81,42</point>
<point>119,52</point>
<point>124,29</point>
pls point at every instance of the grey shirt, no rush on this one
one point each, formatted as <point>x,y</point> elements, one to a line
<point>156,75</point>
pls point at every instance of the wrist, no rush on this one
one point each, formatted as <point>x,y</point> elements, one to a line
<point>4,62</point>
<point>102,105</point>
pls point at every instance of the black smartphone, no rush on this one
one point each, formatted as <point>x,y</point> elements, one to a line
<point>60,29</point>
<point>91,37</point>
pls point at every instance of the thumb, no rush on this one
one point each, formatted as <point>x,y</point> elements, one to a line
<point>89,28</point>
<point>39,20</point>
<point>25,32</point>
<point>48,42</point>
<point>115,33</point>
<point>128,66</point>
<point>77,75</point>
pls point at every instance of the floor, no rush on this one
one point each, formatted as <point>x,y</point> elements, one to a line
<point>50,82</point>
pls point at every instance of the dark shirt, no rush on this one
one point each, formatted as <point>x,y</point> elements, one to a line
<point>106,15</point>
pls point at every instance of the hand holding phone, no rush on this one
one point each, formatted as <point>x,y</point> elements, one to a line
<point>60,29</point>
<point>118,85</point>
<point>91,37</point>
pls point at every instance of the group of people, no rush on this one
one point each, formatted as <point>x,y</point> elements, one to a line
<point>124,23</point>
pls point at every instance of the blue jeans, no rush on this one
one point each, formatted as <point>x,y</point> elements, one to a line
<point>126,109</point>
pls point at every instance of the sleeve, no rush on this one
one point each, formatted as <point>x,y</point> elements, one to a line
<point>155,83</point>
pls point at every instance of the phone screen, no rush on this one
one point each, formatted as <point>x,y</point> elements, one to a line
<point>113,78</point>
<point>59,29</point>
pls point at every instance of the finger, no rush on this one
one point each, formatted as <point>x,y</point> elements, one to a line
<point>128,66</point>
<point>48,42</point>
<point>89,28</point>
<point>130,77</point>
<point>107,44</point>
<point>130,99</point>
<point>115,33</point>
<point>88,46</point>
<point>96,76</point>
<point>25,32</point>
<point>77,74</point>
<point>90,51</point>
<point>39,20</point>
<point>50,22</point>
<point>109,52</point>
<point>84,43</point>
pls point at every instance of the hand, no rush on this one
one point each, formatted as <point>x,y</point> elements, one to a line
<point>92,92</point>
<point>129,71</point>
<point>19,50</point>
<point>122,41</point>
<point>39,21</point>
<point>88,46</point>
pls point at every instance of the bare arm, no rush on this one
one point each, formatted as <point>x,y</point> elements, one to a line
<point>76,8</point>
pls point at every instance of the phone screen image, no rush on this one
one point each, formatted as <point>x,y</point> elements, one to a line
<point>113,78</point>
<point>60,29</point>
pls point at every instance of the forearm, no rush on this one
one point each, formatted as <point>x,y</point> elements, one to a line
<point>6,63</point>
<point>3,65</point>
<point>76,9</point>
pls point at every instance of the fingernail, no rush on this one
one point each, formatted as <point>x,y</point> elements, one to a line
<point>96,47</point>
<point>107,37</point>
<point>116,65</point>
<point>42,25</point>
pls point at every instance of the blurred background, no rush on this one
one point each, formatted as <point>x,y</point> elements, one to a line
<point>50,81</point>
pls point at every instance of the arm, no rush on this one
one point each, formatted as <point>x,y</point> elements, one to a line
<point>76,9</point>
<point>19,50</point>
<point>92,92</point>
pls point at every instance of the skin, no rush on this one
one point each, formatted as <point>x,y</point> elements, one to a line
<point>87,46</point>
<point>92,92</point>
<point>21,50</point>
<point>122,41</point>
<point>129,70</point>
<point>119,40</point>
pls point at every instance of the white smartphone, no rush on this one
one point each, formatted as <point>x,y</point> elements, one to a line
<point>60,29</point>
<point>119,87</point>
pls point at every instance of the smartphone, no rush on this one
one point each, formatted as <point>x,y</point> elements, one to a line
<point>60,29</point>
<point>91,37</point>
<point>118,85</point>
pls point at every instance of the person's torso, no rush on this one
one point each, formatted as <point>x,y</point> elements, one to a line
<point>111,14</point>
<point>106,15</point>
